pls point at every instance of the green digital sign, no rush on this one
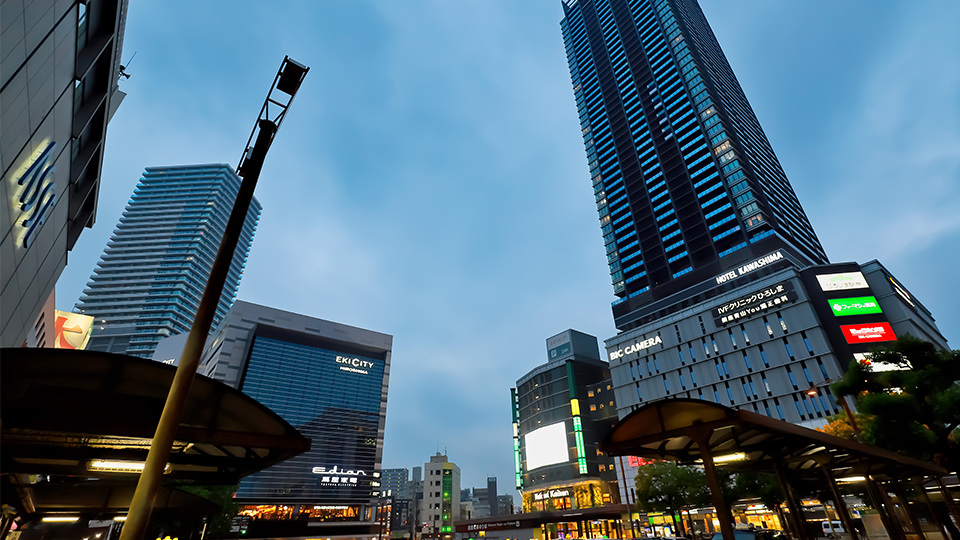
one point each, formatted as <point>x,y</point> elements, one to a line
<point>861,305</point>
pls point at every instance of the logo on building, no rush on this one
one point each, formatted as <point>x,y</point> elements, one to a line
<point>752,304</point>
<point>354,365</point>
<point>749,267</point>
<point>72,330</point>
<point>551,494</point>
<point>842,281</point>
<point>636,347</point>
<point>34,194</point>
<point>337,476</point>
<point>861,305</point>
<point>868,333</point>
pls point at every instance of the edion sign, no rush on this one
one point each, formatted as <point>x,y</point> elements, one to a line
<point>868,333</point>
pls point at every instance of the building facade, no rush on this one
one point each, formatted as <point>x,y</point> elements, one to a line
<point>329,381</point>
<point>440,506</point>
<point>556,434</point>
<point>771,345</point>
<point>504,505</point>
<point>394,481</point>
<point>686,183</point>
<point>152,274</point>
<point>59,71</point>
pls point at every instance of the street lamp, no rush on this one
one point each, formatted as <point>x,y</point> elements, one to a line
<point>272,112</point>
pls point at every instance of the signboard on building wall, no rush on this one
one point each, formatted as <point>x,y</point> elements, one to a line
<point>559,346</point>
<point>868,333</point>
<point>751,266</point>
<point>546,446</point>
<point>774,296</point>
<point>842,281</point>
<point>860,305</point>
<point>634,461</point>
<point>71,330</point>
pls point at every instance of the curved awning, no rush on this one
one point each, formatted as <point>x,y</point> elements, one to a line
<point>63,411</point>
<point>681,429</point>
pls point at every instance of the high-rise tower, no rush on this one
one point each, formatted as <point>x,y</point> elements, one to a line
<point>686,183</point>
<point>152,274</point>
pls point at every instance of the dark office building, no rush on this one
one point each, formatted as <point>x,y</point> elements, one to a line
<point>724,291</point>
<point>328,380</point>
<point>59,87</point>
<point>557,427</point>
<point>686,183</point>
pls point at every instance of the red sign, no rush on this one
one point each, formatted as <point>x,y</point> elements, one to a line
<point>868,333</point>
<point>635,461</point>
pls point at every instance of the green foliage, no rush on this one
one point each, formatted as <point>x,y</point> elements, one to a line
<point>668,487</point>
<point>164,524</point>
<point>913,410</point>
<point>218,524</point>
<point>838,425</point>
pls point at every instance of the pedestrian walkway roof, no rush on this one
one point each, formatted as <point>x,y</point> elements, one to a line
<point>84,419</point>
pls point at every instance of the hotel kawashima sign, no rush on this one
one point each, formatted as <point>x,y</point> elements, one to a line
<point>750,267</point>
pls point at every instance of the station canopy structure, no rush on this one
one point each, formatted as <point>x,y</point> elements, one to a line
<point>683,430</point>
<point>77,426</point>
<point>691,431</point>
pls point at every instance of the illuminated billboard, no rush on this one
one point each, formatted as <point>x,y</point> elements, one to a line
<point>547,446</point>
<point>71,330</point>
<point>842,281</point>
<point>868,333</point>
<point>752,304</point>
<point>860,305</point>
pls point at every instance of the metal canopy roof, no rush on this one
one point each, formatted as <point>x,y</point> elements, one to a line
<point>61,410</point>
<point>677,429</point>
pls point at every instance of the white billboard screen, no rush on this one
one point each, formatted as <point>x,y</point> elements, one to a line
<point>547,446</point>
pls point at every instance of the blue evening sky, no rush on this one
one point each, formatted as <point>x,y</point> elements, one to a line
<point>430,180</point>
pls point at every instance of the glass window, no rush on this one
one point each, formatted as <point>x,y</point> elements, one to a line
<point>728,156</point>
<point>722,148</point>
<point>746,197</point>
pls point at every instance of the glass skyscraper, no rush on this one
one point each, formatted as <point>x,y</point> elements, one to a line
<point>151,276</point>
<point>330,381</point>
<point>686,183</point>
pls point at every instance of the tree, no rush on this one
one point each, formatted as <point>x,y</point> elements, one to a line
<point>187,525</point>
<point>667,487</point>
<point>838,425</point>
<point>914,410</point>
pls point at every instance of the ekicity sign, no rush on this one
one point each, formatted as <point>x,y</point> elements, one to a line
<point>354,365</point>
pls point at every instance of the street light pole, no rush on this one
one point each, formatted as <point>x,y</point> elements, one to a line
<point>287,81</point>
